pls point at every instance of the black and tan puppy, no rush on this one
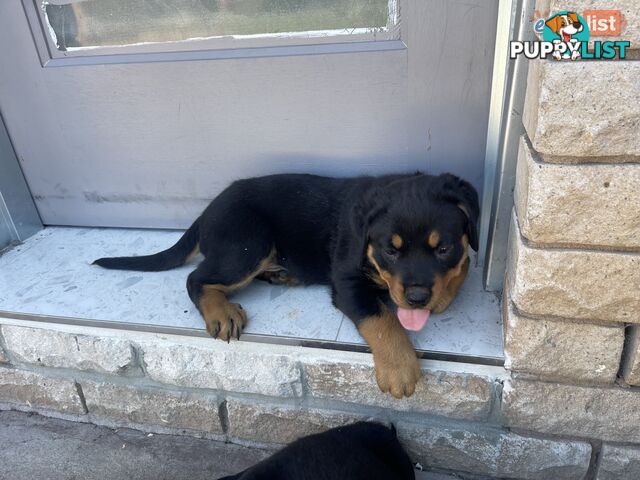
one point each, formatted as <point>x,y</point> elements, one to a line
<point>393,249</point>
<point>362,451</point>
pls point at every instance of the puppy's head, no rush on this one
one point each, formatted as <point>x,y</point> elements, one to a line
<point>565,25</point>
<point>416,237</point>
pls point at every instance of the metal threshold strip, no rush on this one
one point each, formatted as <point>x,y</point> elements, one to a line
<point>248,337</point>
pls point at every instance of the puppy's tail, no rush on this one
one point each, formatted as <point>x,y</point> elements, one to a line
<point>166,260</point>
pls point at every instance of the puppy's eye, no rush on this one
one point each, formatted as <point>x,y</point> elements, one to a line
<point>391,252</point>
<point>444,250</point>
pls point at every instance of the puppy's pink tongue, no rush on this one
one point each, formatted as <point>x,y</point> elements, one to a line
<point>413,319</point>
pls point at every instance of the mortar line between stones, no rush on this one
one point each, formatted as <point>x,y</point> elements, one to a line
<point>564,437</point>
<point>137,357</point>
<point>495,408</point>
<point>575,321</point>
<point>628,349</point>
<point>530,378</point>
<point>540,158</point>
<point>109,422</point>
<point>83,401</point>
<point>223,415</point>
<point>594,462</point>
<point>4,349</point>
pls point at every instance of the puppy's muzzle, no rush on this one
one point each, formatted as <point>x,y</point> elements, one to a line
<point>417,296</point>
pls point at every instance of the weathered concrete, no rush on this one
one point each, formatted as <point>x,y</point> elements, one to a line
<point>153,407</point>
<point>495,452</point>
<point>560,349</point>
<point>591,205</point>
<point>578,284</point>
<point>62,450</point>
<point>39,448</point>
<point>451,394</point>
<point>52,348</point>
<point>610,414</point>
<point>240,367</point>
<point>265,423</point>
<point>619,463</point>
<point>30,390</point>
<point>566,115</point>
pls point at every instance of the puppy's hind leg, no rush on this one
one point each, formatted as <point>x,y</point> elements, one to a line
<point>229,265</point>
<point>208,292</point>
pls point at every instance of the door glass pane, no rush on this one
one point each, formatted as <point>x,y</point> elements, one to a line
<point>89,23</point>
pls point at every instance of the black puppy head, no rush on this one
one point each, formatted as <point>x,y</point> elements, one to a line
<point>416,232</point>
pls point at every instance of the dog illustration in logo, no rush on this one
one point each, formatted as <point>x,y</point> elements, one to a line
<point>565,25</point>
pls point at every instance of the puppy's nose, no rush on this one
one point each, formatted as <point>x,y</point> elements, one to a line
<point>417,295</point>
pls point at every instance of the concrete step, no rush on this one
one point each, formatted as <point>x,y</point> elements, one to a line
<point>265,395</point>
<point>50,275</point>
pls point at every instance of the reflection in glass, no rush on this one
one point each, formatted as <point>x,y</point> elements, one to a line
<point>83,23</point>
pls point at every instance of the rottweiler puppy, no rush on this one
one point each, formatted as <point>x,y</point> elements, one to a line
<point>361,451</point>
<point>393,248</point>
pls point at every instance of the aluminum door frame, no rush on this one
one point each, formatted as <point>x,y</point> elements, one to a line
<point>505,129</point>
<point>19,218</point>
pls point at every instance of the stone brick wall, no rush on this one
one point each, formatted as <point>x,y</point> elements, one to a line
<point>272,394</point>
<point>572,297</point>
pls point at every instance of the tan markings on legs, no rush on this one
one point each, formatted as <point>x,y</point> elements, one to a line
<point>386,279</point>
<point>396,363</point>
<point>279,277</point>
<point>225,319</point>
<point>194,253</point>
<point>446,287</point>
<point>434,239</point>
<point>262,266</point>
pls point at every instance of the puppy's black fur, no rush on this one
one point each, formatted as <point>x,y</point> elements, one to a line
<point>362,451</point>
<point>382,243</point>
<point>320,227</point>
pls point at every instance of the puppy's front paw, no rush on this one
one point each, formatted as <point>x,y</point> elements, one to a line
<point>397,368</point>
<point>226,321</point>
<point>398,373</point>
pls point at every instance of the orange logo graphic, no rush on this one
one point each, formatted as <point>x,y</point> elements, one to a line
<point>604,22</point>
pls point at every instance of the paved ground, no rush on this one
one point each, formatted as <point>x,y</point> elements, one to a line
<point>39,448</point>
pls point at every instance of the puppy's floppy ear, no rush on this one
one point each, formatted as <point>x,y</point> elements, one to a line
<point>465,197</point>
<point>554,23</point>
<point>573,18</point>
